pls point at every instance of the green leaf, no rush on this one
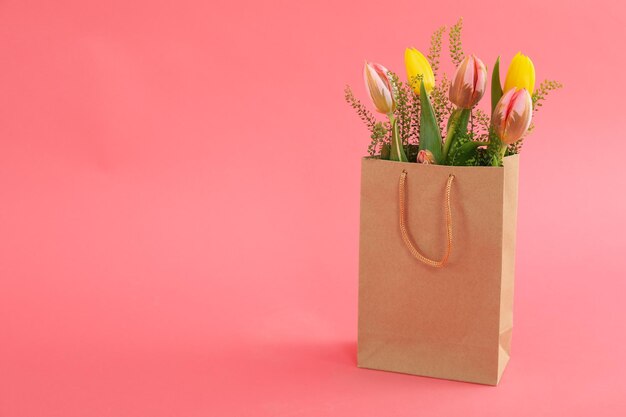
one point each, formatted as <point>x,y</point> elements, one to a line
<point>463,153</point>
<point>411,152</point>
<point>430,136</point>
<point>496,85</point>
<point>385,150</point>
<point>495,151</point>
<point>461,125</point>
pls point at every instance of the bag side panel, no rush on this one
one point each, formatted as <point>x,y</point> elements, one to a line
<point>509,229</point>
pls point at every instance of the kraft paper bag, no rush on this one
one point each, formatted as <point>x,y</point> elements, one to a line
<point>449,321</point>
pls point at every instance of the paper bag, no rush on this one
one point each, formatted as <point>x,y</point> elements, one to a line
<point>449,321</point>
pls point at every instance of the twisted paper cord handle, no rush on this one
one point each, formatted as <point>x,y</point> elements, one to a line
<point>405,235</point>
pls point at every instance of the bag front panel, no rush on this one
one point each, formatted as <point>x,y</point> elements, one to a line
<point>413,318</point>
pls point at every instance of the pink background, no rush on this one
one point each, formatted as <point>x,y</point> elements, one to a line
<point>179,185</point>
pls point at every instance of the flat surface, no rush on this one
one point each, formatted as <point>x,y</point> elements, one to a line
<point>179,187</point>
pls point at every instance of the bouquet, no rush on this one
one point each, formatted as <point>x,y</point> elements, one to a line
<point>432,122</point>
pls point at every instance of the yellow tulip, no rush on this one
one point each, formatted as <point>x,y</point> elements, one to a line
<point>521,74</point>
<point>417,64</point>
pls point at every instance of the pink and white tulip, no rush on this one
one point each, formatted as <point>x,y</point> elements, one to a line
<point>469,83</point>
<point>512,115</point>
<point>378,85</point>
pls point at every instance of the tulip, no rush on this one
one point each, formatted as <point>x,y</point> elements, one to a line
<point>378,86</point>
<point>521,74</point>
<point>512,115</point>
<point>417,66</point>
<point>467,88</point>
<point>381,92</point>
<point>469,83</point>
<point>425,157</point>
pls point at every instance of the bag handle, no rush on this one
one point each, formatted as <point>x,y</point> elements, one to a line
<point>405,235</point>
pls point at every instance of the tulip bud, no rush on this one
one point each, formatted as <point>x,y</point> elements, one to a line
<point>378,86</point>
<point>425,157</point>
<point>418,65</point>
<point>512,115</point>
<point>469,83</point>
<point>521,74</point>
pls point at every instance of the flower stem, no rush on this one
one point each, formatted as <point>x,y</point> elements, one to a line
<point>397,150</point>
<point>457,117</point>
